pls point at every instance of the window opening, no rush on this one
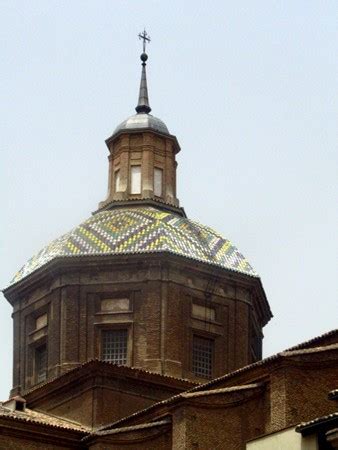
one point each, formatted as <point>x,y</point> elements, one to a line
<point>135,180</point>
<point>19,405</point>
<point>202,356</point>
<point>158,179</point>
<point>114,346</point>
<point>117,181</point>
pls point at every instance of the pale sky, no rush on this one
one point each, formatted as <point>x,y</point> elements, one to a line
<point>248,87</point>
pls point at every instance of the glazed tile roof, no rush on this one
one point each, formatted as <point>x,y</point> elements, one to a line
<point>141,230</point>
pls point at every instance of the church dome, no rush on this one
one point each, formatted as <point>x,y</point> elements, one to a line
<point>142,121</point>
<point>124,231</point>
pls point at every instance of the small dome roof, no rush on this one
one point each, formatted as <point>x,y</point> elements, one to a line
<point>141,230</point>
<point>141,121</point>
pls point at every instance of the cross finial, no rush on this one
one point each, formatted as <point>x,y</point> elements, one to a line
<point>145,37</point>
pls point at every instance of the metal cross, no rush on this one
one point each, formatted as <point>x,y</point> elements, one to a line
<point>145,37</point>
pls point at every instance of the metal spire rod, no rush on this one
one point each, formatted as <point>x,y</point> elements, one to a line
<point>143,98</point>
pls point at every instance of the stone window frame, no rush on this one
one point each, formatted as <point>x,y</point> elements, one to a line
<point>31,375</point>
<point>99,328</point>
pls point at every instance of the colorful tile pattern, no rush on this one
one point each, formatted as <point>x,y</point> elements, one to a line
<point>141,230</point>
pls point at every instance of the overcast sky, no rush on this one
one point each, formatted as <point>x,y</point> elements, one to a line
<point>248,87</point>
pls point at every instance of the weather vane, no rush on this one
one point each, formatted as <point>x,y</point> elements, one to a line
<point>145,38</point>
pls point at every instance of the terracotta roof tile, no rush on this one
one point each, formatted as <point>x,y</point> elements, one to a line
<point>265,361</point>
<point>228,390</point>
<point>141,426</point>
<point>315,340</point>
<point>319,420</point>
<point>42,418</point>
<point>215,381</point>
<point>124,370</point>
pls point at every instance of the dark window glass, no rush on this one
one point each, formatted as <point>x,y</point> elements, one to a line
<point>41,363</point>
<point>114,346</point>
<point>202,356</point>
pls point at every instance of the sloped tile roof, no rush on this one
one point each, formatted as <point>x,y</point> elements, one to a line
<point>142,426</point>
<point>216,381</point>
<point>42,418</point>
<point>141,230</point>
<point>305,426</point>
<point>123,371</point>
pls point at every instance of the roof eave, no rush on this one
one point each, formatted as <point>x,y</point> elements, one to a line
<point>267,366</point>
<point>142,201</point>
<point>51,267</point>
<point>114,136</point>
<point>314,426</point>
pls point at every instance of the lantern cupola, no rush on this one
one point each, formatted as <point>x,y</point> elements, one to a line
<point>142,156</point>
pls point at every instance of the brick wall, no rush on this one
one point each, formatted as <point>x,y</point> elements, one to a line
<point>160,323</point>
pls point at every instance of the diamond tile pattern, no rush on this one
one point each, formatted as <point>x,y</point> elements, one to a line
<point>141,230</point>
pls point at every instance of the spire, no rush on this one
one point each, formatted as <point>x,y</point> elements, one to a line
<point>143,99</point>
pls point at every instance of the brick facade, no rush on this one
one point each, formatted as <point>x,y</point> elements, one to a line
<point>148,150</point>
<point>160,290</point>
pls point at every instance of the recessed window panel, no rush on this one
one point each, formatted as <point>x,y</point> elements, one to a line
<point>41,363</point>
<point>135,184</point>
<point>203,312</point>
<point>114,346</point>
<point>158,180</point>
<point>115,305</point>
<point>41,321</point>
<point>117,181</point>
<point>202,356</point>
